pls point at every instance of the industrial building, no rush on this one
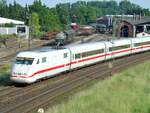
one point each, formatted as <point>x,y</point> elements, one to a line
<point>130,27</point>
<point>126,25</point>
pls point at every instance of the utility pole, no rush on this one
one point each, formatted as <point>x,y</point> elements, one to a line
<point>29,39</point>
<point>114,28</point>
<point>19,39</point>
<point>111,62</point>
<point>29,30</point>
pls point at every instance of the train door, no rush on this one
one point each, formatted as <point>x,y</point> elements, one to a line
<point>105,50</point>
<point>67,60</point>
<point>70,58</point>
<point>60,61</point>
<point>132,46</point>
<point>108,50</point>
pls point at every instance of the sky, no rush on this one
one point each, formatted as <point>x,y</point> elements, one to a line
<point>52,3</point>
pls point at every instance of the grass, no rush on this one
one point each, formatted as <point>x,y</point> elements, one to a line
<point>4,75</point>
<point>126,92</point>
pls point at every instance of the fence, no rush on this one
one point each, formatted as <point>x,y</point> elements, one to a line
<point>18,30</point>
<point>8,31</point>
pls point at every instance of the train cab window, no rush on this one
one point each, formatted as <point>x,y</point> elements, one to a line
<point>65,55</point>
<point>24,60</point>
<point>43,59</point>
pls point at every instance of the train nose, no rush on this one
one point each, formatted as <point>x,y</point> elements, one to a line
<point>18,79</point>
<point>20,70</point>
<point>20,74</point>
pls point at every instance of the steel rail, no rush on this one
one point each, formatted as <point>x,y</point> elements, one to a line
<point>63,88</point>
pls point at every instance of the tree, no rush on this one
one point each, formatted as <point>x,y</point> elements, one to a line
<point>34,25</point>
<point>16,11</point>
<point>3,8</point>
<point>79,9</point>
<point>48,18</point>
<point>63,11</point>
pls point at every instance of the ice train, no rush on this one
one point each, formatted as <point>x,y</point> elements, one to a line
<point>31,66</point>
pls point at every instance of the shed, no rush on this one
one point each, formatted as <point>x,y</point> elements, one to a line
<point>9,21</point>
<point>19,28</point>
<point>129,27</point>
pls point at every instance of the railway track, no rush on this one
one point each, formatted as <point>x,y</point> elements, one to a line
<point>42,94</point>
<point>5,60</point>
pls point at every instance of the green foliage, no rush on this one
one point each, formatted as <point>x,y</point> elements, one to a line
<point>127,92</point>
<point>126,7</point>
<point>8,36</point>
<point>17,11</point>
<point>147,12</point>
<point>5,75</point>
<point>48,19</point>
<point>5,70</point>
<point>34,25</point>
<point>63,11</point>
<point>4,8</point>
<point>80,10</point>
<point>7,25</point>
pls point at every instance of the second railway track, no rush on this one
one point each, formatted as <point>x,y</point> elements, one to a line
<point>30,98</point>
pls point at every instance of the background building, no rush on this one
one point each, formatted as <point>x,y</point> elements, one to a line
<point>129,27</point>
<point>126,25</point>
<point>9,26</point>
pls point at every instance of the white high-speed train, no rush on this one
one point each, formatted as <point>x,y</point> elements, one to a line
<point>30,66</point>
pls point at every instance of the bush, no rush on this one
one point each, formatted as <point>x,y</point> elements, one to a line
<point>8,25</point>
<point>8,36</point>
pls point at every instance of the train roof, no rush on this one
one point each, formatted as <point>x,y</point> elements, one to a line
<point>78,47</point>
<point>86,46</point>
<point>99,43</point>
<point>38,52</point>
<point>83,44</point>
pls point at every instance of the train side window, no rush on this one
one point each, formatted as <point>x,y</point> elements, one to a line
<point>43,59</point>
<point>38,61</point>
<point>94,52</point>
<point>65,55</point>
<point>119,47</point>
<point>77,56</point>
<point>141,43</point>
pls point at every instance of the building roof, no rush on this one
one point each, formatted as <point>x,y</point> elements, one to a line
<point>137,20</point>
<point>8,21</point>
